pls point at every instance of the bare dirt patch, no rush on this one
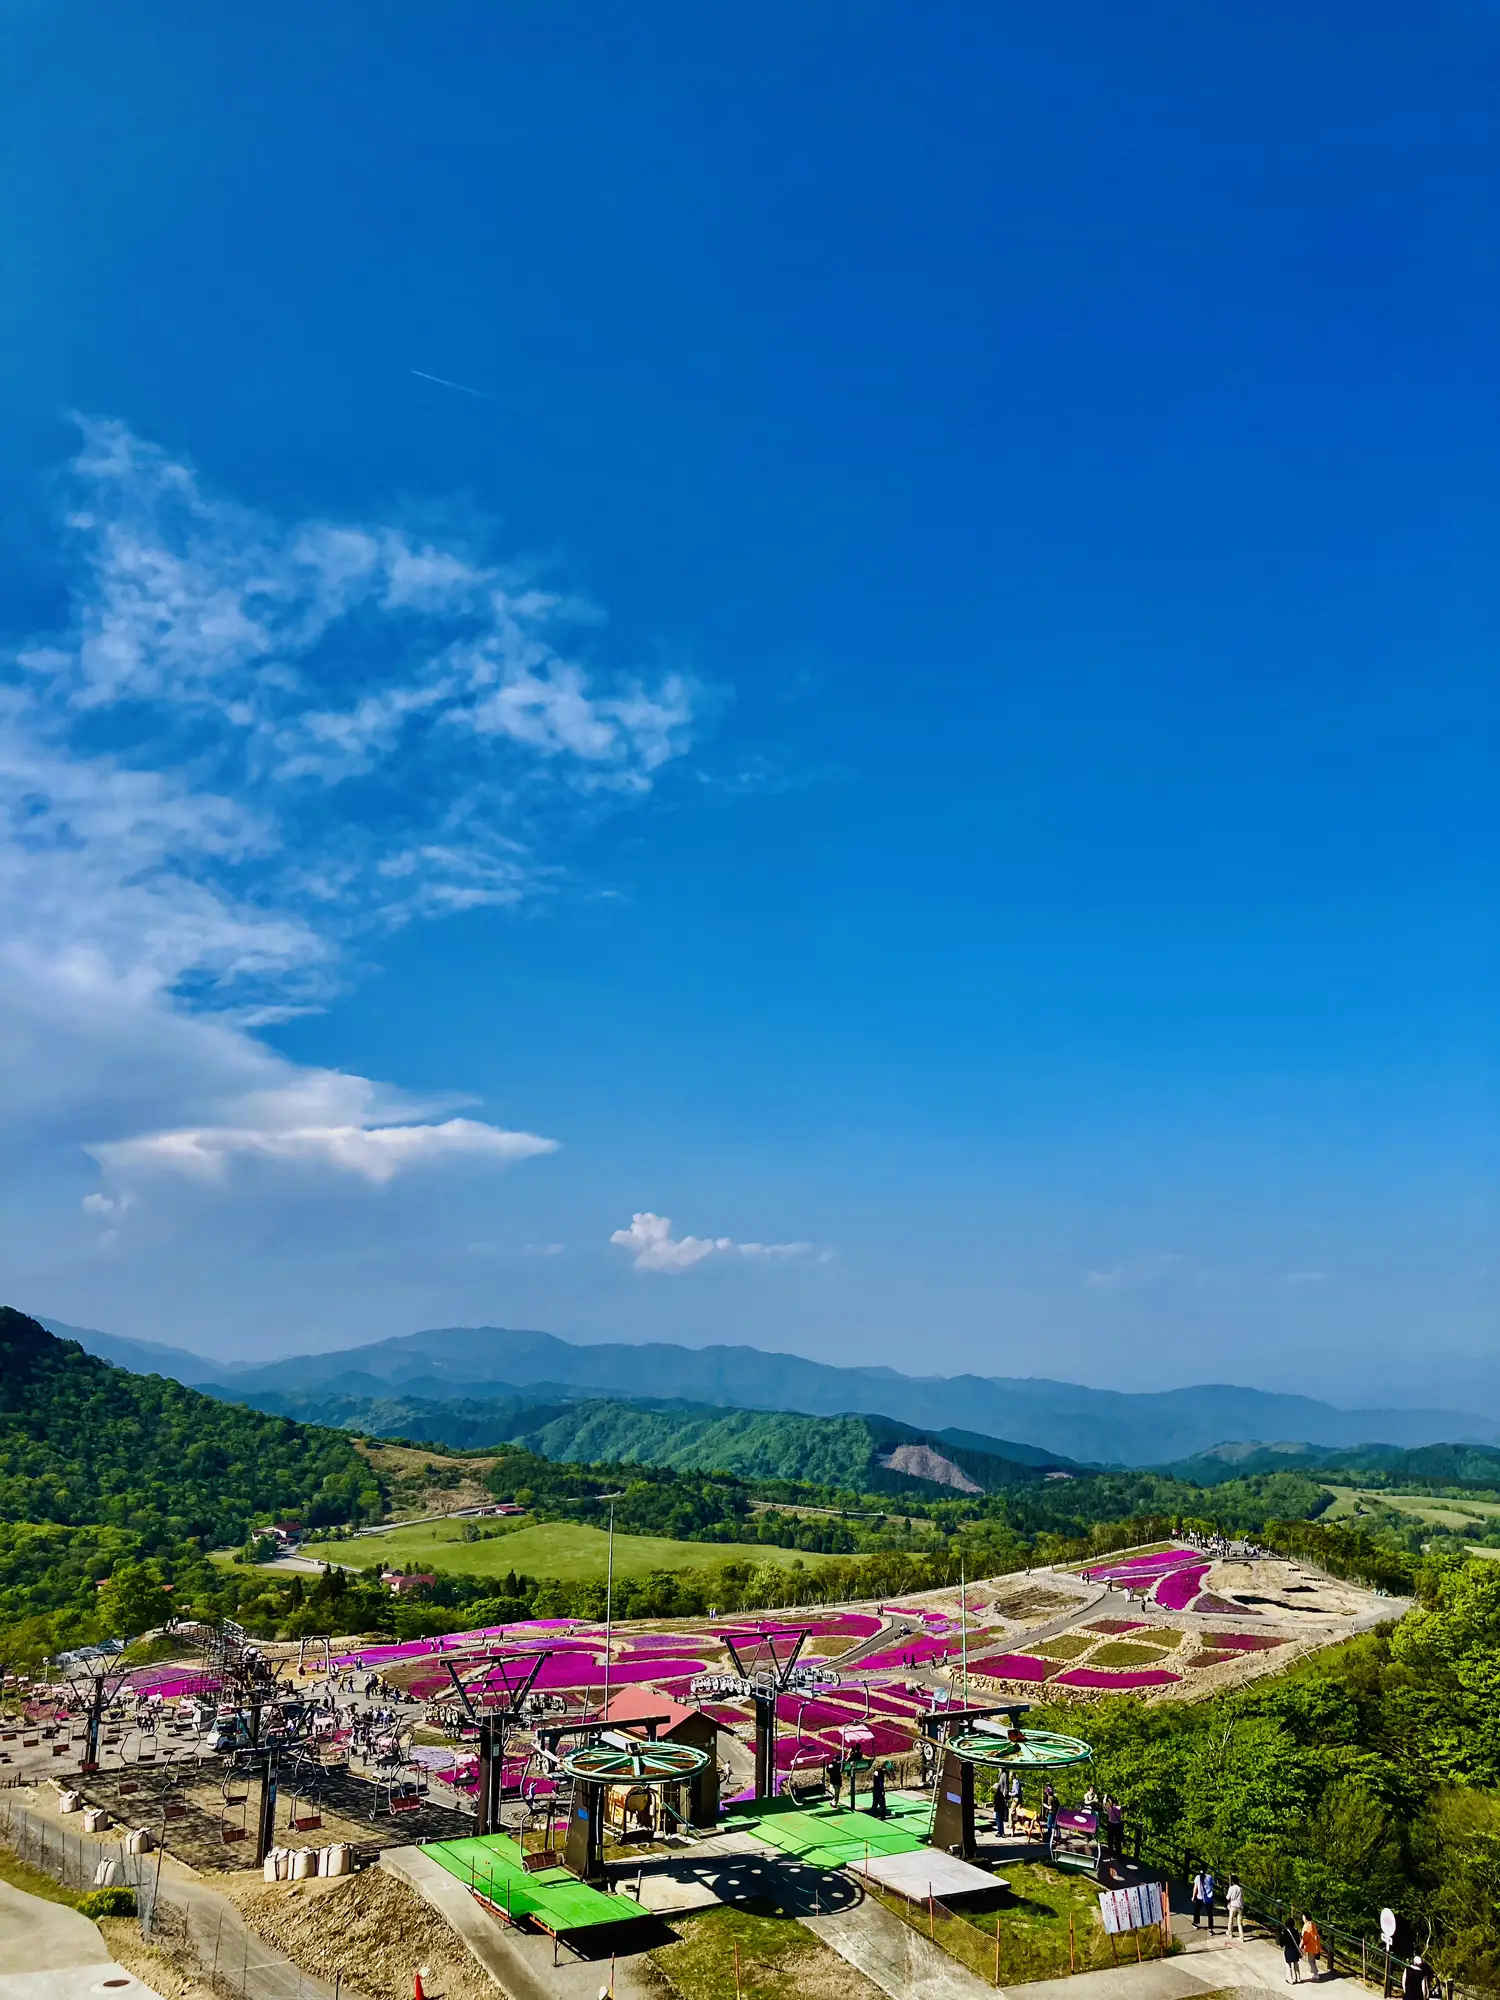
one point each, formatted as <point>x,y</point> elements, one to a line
<point>368,1927</point>
<point>428,1482</point>
<point>1032,1600</point>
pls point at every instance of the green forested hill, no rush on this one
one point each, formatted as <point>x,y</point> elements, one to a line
<point>846,1452</point>
<point>82,1442</point>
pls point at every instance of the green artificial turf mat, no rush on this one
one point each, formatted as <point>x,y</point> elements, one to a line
<point>491,1864</point>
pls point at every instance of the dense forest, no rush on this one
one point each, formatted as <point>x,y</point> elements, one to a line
<point>81,1442</point>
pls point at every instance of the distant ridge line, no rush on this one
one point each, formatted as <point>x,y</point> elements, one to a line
<point>1102,1426</point>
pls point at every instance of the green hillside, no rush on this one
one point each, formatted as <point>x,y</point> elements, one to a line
<point>844,1453</point>
<point>568,1550</point>
<point>82,1442</point>
<point>109,1478</point>
<point>1431,1467</point>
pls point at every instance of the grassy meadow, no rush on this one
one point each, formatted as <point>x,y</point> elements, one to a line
<point>563,1549</point>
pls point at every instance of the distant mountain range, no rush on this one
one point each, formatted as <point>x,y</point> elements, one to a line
<point>484,1368</point>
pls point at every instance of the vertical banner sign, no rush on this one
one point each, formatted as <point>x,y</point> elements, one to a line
<point>1135,1909</point>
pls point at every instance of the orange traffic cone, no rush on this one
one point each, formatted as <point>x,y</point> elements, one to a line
<point>417,1993</point>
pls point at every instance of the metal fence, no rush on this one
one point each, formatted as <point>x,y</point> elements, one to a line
<point>1344,1951</point>
<point>188,1920</point>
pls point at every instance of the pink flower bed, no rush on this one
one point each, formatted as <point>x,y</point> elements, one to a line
<point>588,1672</point>
<point>453,1642</point>
<point>634,1655</point>
<point>898,1702</point>
<point>1177,1591</point>
<point>811,1750</point>
<point>1139,1569</point>
<point>1113,1627</point>
<point>1094,1677</point>
<point>812,1713</point>
<point>886,1739</point>
<point>171,1686</point>
<point>1220,1607</point>
<point>913,1652</point>
<point>1013,1667</point>
<point>1242,1642</point>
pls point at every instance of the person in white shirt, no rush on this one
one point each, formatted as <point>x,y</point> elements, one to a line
<point>1203,1899</point>
<point>1234,1904</point>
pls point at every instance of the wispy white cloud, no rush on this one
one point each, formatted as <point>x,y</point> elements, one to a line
<point>377,1153</point>
<point>1133,1272</point>
<point>652,1246</point>
<point>252,741</point>
<point>1297,1280</point>
<point>442,382</point>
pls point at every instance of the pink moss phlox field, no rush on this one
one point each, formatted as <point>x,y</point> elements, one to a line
<point>1113,1627</point>
<point>1177,1591</point>
<point>1014,1667</point>
<point>1138,1569</point>
<point>912,1652</point>
<point>1095,1677</point>
<point>790,1754</point>
<point>811,1713</point>
<point>1243,1642</point>
<point>1221,1607</point>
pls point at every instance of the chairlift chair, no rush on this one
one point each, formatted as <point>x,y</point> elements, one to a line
<point>233,1829</point>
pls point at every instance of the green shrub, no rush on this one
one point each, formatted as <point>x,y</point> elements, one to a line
<point>114,1902</point>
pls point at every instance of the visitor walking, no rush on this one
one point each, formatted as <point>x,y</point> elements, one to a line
<point>1203,1899</point>
<point>1115,1821</point>
<point>877,1792</point>
<point>1234,1905</point>
<point>1312,1946</point>
<point>836,1778</point>
<point>1015,1795</point>
<point>1291,1952</point>
<point>1002,1805</point>
<point>1416,1981</point>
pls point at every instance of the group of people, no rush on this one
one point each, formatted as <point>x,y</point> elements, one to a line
<point>878,1779</point>
<point>1301,1942</point>
<point>1224,1550</point>
<point>1203,1892</point>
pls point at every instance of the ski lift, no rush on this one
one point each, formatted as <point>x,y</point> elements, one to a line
<point>306,1784</point>
<point>230,1828</point>
<point>402,1794</point>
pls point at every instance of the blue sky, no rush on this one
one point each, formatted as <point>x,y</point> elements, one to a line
<point>926,710</point>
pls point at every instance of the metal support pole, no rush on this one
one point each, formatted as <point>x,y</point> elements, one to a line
<point>265,1833</point>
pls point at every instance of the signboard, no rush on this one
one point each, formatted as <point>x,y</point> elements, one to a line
<point>1134,1909</point>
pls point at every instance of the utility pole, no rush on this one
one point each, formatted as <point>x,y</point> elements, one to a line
<point>609,1601</point>
<point>963,1625</point>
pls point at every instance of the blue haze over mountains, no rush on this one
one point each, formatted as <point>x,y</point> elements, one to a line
<point>1098,1425</point>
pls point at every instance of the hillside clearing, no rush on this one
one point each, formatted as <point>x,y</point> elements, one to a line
<point>563,1549</point>
<point>1431,1509</point>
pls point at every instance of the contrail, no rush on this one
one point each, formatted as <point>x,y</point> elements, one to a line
<point>443,383</point>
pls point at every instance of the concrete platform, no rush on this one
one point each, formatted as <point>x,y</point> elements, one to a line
<point>929,1872</point>
<point>78,1982</point>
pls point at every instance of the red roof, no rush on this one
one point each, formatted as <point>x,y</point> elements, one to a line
<point>633,1704</point>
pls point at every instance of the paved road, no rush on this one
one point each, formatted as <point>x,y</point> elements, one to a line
<point>38,1936</point>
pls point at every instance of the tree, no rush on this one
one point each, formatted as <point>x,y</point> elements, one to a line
<point>134,1601</point>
